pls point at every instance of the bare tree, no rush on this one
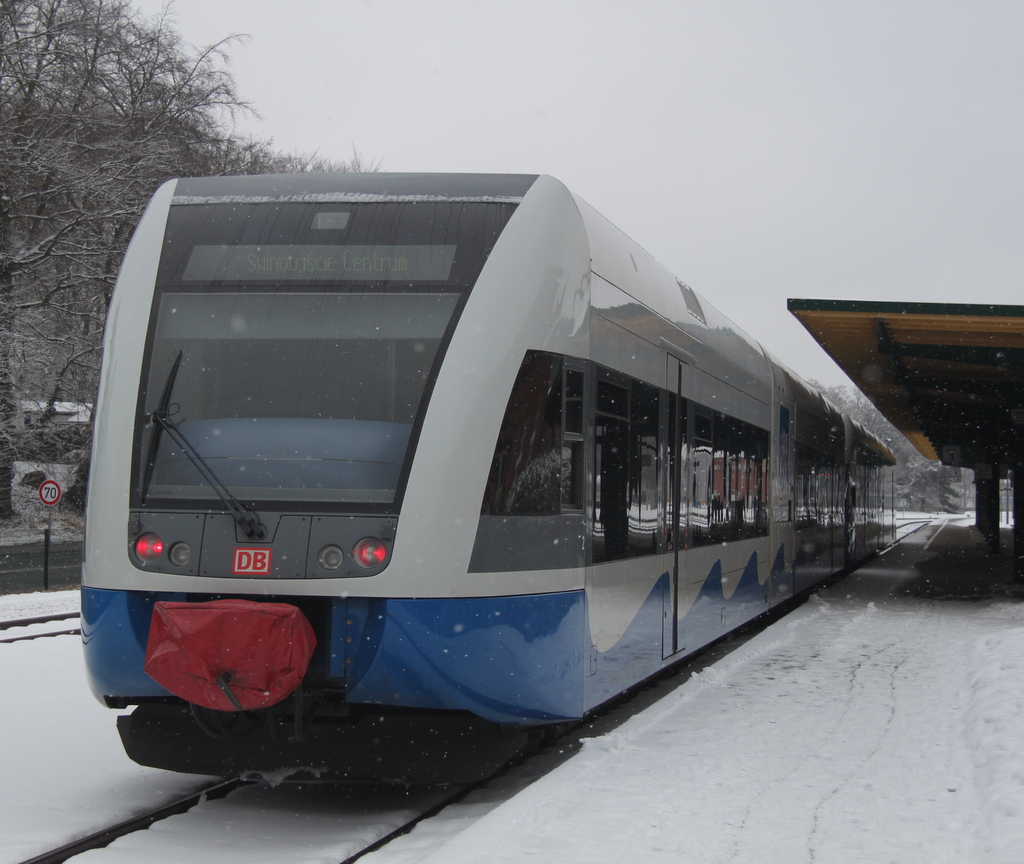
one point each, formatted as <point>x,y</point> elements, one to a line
<point>314,163</point>
<point>920,483</point>
<point>96,108</point>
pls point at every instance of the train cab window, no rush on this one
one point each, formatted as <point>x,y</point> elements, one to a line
<point>537,469</point>
<point>296,343</point>
<point>526,471</point>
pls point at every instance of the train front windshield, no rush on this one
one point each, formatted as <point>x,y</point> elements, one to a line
<point>293,346</point>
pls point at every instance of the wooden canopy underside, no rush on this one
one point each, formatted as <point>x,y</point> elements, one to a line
<point>945,375</point>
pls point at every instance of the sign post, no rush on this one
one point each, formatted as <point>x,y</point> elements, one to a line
<point>50,494</point>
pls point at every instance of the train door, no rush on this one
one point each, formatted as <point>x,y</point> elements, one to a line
<point>676,510</point>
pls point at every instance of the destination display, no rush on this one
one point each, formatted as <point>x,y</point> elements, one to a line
<point>319,263</point>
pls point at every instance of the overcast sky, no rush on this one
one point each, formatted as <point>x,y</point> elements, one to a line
<point>760,151</point>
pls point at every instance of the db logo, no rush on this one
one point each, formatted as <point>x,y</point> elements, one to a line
<point>251,562</point>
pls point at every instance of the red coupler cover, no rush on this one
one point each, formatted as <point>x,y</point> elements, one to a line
<point>263,647</point>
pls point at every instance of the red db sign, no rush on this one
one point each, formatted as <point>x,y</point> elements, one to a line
<point>251,562</point>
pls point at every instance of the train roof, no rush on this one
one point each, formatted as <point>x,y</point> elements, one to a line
<point>880,454</point>
<point>621,261</point>
<point>353,187</point>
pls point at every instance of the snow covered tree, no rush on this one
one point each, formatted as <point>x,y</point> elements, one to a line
<point>97,108</point>
<point>920,483</point>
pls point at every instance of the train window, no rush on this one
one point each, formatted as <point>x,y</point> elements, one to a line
<point>730,480</point>
<point>572,440</point>
<point>257,390</point>
<point>644,471</point>
<point>702,427</point>
<point>612,400</point>
<point>675,511</point>
<point>573,474</point>
<point>814,488</point>
<point>626,470</point>
<point>537,469</point>
<point>702,485</point>
<point>611,472</point>
<point>573,401</point>
<point>725,516</point>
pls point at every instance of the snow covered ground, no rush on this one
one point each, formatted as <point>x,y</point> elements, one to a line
<point>62,770</point>
<point>881,722</point>
<point>38,603</point>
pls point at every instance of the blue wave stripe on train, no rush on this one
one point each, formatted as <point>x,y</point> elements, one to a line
<point>511,660</point>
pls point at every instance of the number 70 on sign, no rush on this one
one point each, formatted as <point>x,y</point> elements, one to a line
<point>50,492</point>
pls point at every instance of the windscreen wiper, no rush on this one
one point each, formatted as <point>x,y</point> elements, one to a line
<point>154,442</point>
<point>247,521</point>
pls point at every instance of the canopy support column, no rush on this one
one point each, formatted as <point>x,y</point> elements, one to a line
<point>986,505</point>
<point>1018,519</point>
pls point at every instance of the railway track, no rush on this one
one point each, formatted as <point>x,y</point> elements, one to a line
<point>221,789</point>
<point>38,621</point>
<point>106,836</point>
<point>405,828</point>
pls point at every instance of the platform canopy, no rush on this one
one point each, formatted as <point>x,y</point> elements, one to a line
<point>949,376</point>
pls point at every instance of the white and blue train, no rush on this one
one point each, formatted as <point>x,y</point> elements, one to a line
<point>499,462</point>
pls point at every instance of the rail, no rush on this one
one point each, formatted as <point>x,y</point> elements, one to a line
<point>39,619</point>
<point>106,836</point>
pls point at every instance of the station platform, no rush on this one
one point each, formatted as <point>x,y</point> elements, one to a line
<point>949,559</point>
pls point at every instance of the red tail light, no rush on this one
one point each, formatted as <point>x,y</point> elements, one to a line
<point>149,547</point>
<point>370,552</point>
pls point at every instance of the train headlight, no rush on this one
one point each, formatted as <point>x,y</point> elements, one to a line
<point>330,557</point>
<point>370,552</point>
<point>149,546</point>
<point>180,554</point>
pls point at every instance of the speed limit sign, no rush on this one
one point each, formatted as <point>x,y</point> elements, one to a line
<point>50,492</point>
